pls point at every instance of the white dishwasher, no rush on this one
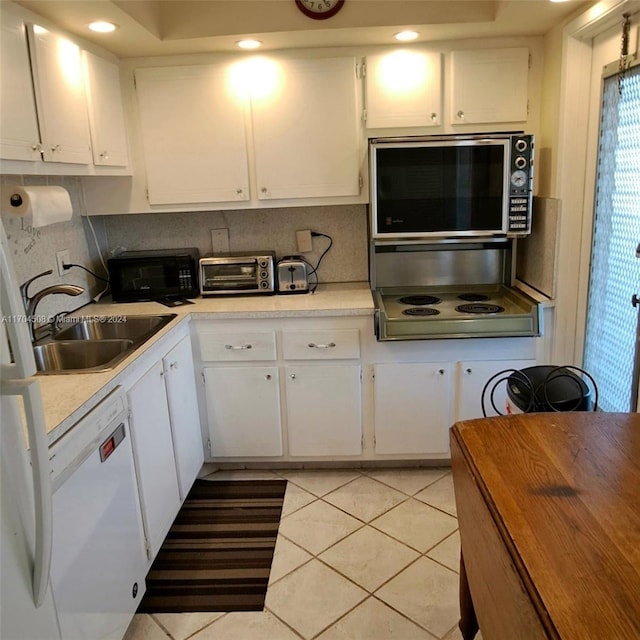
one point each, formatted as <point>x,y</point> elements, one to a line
<point>99,559</point>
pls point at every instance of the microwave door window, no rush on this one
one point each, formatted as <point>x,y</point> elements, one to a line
<point>440,189</point>
<point>153,277</point>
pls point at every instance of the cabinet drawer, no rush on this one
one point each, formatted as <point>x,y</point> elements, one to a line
<point>321,345</point>
<point>238,347</point>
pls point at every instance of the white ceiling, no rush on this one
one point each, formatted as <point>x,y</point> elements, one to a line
<point>166,27</point>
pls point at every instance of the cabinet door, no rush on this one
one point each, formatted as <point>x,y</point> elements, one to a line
<point>19,137</point>
<point>60,97</point>
<point>412,408</point>
<point>324,410</point>
<point>306,129</point>
<point>489,85</point>
<point>153,455</point>
<point>404,89</point>
<point>243,409</point>
<point>183,411</point>
<point>106,115</point>
<point>472,376</point>
<point>193,133</point>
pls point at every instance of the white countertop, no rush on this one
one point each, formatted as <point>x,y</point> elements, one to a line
<point>67,397</point>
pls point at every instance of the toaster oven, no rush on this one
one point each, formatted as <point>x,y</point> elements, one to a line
<point>238,273</point>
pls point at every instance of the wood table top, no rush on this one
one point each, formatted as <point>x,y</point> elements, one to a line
<point>564,491</point>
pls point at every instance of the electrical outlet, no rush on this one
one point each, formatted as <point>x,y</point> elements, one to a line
<point>62,258</point>
<point>303,239</point>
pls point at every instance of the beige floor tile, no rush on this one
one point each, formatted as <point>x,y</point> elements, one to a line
<point>440,495</point>
<point>427,593</point>
<point>144,627</point>
<point>287,557</point>
<point>416,524</point>
<point>295,498</point>
<point>184,625</point>
<point>312,597</point>
<point>409,481</point>
<point>455,634</point>
<point>365,498</point>
<point>448,552</point>
<point>320,482</point>
<point>374,620</point>
<point>247,625</point>
<point>317,526</point>
<point>369,557</point>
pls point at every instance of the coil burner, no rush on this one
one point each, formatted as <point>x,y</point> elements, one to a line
<point>419,300</point>
<point>473,297</point>
<point>479,308</point>
<point>420,311</point>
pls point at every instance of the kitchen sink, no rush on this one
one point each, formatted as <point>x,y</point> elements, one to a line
<point>80,356</point>
<point>114,328</point>
<point>96,344</point>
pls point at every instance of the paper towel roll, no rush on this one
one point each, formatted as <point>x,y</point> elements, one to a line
<point>46,205</point>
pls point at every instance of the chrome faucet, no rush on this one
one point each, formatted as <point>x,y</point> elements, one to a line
<point>30,303</point>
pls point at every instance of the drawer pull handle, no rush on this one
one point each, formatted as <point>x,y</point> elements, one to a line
<point>242,347</point>
<point>330,345</point>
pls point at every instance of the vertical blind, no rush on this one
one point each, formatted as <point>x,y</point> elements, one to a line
<point>615,269</point>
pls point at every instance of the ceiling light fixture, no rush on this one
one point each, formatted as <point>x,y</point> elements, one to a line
<point>558,0</point>
<point>249,44</point>
<point>406,36</point>
<point>101,26</point>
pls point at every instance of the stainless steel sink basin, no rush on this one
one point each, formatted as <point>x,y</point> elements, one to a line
<point>124,327</point>
<point>77,356</point>
<point>95,344</point>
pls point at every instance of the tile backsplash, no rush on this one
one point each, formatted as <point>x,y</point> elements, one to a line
<point>254,230</point>
<point>34,250</point>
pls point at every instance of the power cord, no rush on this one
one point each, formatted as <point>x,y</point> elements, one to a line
<point>68,265</point>
<point>314,270</point>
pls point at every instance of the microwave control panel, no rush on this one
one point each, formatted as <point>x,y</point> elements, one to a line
<point>520,185</point>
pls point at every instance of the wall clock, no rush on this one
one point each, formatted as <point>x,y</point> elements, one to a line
<point>319,9</point>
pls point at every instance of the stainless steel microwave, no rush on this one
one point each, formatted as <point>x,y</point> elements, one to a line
<point>238,273</point>
<point>447,186</point>
<point>136,276</point>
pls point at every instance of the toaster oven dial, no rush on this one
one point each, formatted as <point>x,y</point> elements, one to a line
<point>264,285</point>
<point>264,274</point>
<point>521,145</point>
<point>263,264</point>
<point>520,162</point>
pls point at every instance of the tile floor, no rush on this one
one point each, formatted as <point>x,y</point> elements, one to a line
<point>362,554</point>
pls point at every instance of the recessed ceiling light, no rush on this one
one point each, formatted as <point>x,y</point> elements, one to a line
<point>558,0</point>
<point>249,44</point>
<point>406,36</point>
<point>100,26</point>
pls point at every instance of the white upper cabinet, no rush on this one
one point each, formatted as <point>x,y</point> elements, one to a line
<point>489,85</point>
<point>19,137</point>
<point>60,96</point>
<point>193,132</point>
<point>306,128</point>
<point>403,89</point>
<point>106,116</point>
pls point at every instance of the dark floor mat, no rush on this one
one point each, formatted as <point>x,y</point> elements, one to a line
<point>217,555</point>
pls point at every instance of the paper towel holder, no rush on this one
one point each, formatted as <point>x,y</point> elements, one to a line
<point>15,200</point>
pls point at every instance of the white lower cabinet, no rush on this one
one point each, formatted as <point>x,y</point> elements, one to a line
<point>243,410</point>
<point>324,409</point>
<point>412,407</point>
<point>186,434</point>
<point>154,456</point>
<point>473,376</point>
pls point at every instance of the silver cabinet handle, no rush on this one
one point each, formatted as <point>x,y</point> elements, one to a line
<point>242,347</point>
<point>468,370</point>
<point>268,376</point>
<point>292,376</point>
<point>460,115</point>
<point>313,345</point>
<point>441,372</point>
<point>239,191</point>
<point>173,365</point>
<point>434,116</point>
<point>55,147</point>
<point>263,190</point>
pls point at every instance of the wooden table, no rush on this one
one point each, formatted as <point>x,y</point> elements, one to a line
<point>549,514</point>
